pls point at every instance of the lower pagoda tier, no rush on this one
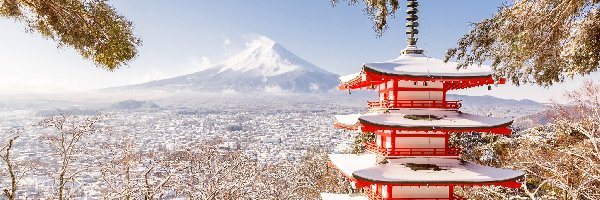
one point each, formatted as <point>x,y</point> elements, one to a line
<point>418,177</point>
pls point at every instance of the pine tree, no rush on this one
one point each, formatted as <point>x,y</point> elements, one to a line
<point>540,41</point>
<point>377,10</point>
<point>91,27</point>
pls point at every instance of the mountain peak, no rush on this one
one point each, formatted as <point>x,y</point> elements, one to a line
<point>264,66</point>
<point>265,57</point>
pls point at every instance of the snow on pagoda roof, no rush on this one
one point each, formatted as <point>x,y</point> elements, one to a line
<point>434,170</point>
<point>349,163</point>
<point>347,120</point>
<point>420,65</point>
<point>349,77</point>
<point>330,196</point>
<point>423,118</point>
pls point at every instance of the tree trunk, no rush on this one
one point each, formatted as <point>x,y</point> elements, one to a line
<point>13,179</point>
<point>61,183</point>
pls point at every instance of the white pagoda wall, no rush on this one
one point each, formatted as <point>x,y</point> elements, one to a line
<point>421,95</point>
<point>420,142</point>
<point>420,192</point>
<point>412,95</point>
<point>410,142</point>
<point>430,84</point>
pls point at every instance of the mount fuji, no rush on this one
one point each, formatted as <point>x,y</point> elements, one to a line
<point>264,66</point>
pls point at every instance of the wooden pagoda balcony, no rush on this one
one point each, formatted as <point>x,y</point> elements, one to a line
<point>372,195</point>
<point>372,147</point>
<point>414,104</point>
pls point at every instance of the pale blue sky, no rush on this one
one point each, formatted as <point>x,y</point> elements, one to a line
<point>181,37</point>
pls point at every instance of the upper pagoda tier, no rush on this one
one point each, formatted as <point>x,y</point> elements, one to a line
<point>414,65</point>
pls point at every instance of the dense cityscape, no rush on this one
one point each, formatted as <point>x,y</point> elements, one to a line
<point>278,131</point>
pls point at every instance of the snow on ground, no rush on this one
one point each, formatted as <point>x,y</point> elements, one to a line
<point>329,196</point>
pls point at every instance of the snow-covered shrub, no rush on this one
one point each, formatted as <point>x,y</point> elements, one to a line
<point>360,140</point>
<point>561,159</point>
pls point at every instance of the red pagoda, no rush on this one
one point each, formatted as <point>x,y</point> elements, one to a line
<point>410,157</point>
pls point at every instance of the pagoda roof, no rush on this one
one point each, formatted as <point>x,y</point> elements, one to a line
<point>418,67</point>
<point>422,170</point>
<point>424,119</point>
<point>349,163</point>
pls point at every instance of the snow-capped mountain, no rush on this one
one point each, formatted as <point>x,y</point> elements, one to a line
<point>263,66</point>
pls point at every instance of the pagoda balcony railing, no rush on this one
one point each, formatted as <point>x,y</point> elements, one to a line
<point>372,147</point>
<point>372,195</point>
<point>415,104</point>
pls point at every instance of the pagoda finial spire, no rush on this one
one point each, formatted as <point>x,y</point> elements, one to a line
<point>412,23</point>
<point>412,31</point>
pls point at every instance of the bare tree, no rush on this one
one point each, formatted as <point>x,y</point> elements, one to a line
<point>66,132</point>
<point>157,176</point>
<point>313,176</point>
<point>133,174</point>
<point>206,171</point>
<point>117,171</point>
<point>211,173</point>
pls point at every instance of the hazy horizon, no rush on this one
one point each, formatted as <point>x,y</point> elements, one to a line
<point>185,37</point>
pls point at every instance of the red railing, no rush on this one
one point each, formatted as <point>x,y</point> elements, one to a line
<point>372,147</point>
<point>414,104</point>
<point>372,195</point>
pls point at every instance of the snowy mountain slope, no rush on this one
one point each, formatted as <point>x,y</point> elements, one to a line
<point>264,66</point>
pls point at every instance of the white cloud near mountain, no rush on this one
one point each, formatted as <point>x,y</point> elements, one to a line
<point>200,64</point>
<point>226,42</point>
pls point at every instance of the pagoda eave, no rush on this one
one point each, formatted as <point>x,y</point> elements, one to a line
<point>509,183</point>
<point>422,77</point>
<point>346,127</point>
<point>422,171</point>
<point>369,77</point>
<point>436,171</point>
<point>502,129</point>
<point>448,121</point>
